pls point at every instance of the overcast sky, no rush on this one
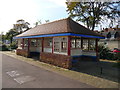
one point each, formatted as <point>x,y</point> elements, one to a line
<point>31,11</point>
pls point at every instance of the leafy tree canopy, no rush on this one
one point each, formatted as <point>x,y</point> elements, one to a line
<point>10,34</point>
<point>91,13</point>
<point>21,25</point>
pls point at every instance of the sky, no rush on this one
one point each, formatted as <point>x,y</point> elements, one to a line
<point>30,11</point>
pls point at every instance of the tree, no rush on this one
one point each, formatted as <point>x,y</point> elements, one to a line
<point>10,34</point>
<point>21,26</point>
<point>91,13</point>
<point>47,21</point>
<point>40,22</point>
<point>37,23</point>
<point>2,37</point>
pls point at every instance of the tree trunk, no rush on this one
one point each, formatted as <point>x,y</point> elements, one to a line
<point>93,26</point>
<point>11,39</point>
<point>88,26</point>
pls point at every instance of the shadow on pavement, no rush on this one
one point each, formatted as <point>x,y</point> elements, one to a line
<point>102,69</point>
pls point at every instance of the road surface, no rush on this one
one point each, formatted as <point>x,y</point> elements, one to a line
<point>19,74</point>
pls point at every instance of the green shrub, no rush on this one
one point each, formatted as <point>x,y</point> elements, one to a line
<point>3,47</point>
<point>105,53</point>
<point>12,46</point>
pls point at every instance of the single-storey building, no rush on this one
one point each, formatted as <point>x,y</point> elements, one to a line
<point>59,42</point>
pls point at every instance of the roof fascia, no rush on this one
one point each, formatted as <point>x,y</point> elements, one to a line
<point>60,34</point>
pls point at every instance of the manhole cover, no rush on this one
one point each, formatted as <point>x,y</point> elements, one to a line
<point>14,73</point>
<point>24,79</point>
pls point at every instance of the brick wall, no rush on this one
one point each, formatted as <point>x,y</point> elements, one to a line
<point>56,59</point>
<point>22,52</point>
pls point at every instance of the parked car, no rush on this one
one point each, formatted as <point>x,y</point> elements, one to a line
<point>116,50</point>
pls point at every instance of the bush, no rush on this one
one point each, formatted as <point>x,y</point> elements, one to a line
<point>105,53</point>
<point>12,46</point>
<point>3,48</point>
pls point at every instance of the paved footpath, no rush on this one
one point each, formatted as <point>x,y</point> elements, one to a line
<point>19,74</point>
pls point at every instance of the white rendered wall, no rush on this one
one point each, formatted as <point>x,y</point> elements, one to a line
<point>48,50</point>
<point>75,52</point>
<point>78,52</point>
<point>60,53</point>
<point>89,53</point>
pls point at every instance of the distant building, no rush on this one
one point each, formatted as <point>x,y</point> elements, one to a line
<point>112,37</point>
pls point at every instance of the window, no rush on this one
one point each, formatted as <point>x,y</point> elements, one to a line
<point>92,45</point>
<point>39,43</point>
<point>20,43</point>
<point>25,42</point>
<point>33,42</point>
<point>60,44</point>
<point>63,44</point>
<point>48,42</point>
<point>78,43</point>
<point>56,46</point>
<point>73,43</point>
<point>85,44</point>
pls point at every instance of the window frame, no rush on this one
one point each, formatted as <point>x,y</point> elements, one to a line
<point>74,41</point>
<point>48,42</point>
<point>85,44</point>
<point>25,42</point>
<point>92,44</point>
<point>39,42</point>
<point>35,43</point>
<point>61,41</point>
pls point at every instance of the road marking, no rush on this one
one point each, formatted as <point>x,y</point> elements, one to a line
<point>19,79</point>
<point>14,73</point>
<point>24,79</point>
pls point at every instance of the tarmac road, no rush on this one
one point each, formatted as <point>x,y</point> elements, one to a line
<point>19,74</point>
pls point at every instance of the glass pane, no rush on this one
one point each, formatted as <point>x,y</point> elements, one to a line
<point>85,44</point>
<point>48,42</point>
<point>78,43</point>
<point>92,45</point>
<point>20,43</point>
<point>39,43</point>
<point>33,42</point>
<point>25,42</point>
<point>73,43</point>
<point>56,46</point>
<point>64,46</point>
